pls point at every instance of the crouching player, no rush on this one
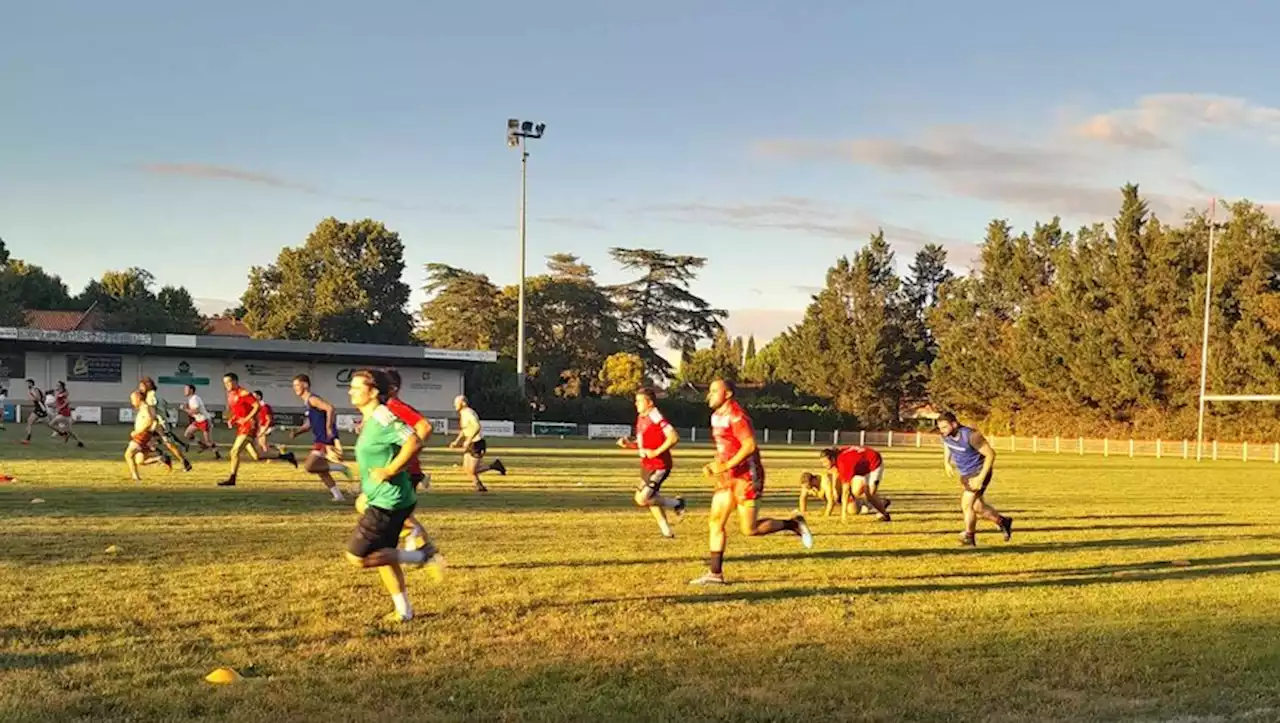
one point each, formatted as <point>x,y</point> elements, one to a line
<point>858,471</point>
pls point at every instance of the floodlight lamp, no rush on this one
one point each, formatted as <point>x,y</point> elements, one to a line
<point>512,140</point>
<point>513,123</point>
<point>539,128</point>
<point>526,127</point>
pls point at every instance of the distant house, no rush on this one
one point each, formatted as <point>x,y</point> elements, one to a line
<point>55,320</point>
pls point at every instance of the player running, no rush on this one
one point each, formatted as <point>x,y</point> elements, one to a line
<point>858,471</point>
<point>199,421</point>
<point>739,476</point>
<point>383,451</point>
<point>159,409</point>
<point>38,411</point>
<point>471,440</point>
<point>320,419</point>
<point>967,452</point>
<point>140,450</point>
<point>421,426</point>
<point>62,420</point>
<point>242,416</point>
<point>654,438</point>
<point>266,422</point>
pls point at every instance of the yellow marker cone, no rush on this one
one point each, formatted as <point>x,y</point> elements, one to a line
<point>1181,563</point>
<point>38,501</point>
<point>223,676</point>
<point>113,549</point>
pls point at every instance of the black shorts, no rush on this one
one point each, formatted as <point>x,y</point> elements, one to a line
<point>416,478</point>
<point>378,529</point>
<point>652,479</point>
<point>40,413</point>
<point>477,449</point>
<point>985,482</point>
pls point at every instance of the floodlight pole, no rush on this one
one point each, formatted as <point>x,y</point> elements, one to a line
<point>518,135</point>
<point>1204,340</point>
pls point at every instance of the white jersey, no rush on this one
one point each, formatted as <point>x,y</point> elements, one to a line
<point>50,402</point>
<point>469,421</point>
<point>195,405</point>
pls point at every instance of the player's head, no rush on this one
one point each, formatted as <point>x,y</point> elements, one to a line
<point>31,384</point>
<point>147,384</point>
<point>135,398</point>
<point>368,386</point>
<point>646,399</point>
<point>188,390</point>
<point>393,377</point>
<point>301,384</point>
<point>828,457</point>
<point>258,394</point>
<point>230,381</point>
<point>809,479</point>
<point>948,424</point>
<point>459,403</point>
<point>721,391</point>
<point>62,386</point>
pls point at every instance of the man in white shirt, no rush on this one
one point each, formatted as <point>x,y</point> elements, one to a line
<point>200,421</point>
<point>471,440</point>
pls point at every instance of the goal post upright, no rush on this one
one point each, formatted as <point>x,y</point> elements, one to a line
<point>1204,340</point>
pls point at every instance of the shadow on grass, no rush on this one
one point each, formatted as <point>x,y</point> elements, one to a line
<point>35,661</point>
<point>1184,564</point>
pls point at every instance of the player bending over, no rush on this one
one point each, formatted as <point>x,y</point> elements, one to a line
<point>739,476</point>
<point>320,419</point>
<point>654,438</point>
<point>858,471</point>
<point>819,486</point>
<point>242,416</point>
<point>383,451</point>
<point>965,452</point>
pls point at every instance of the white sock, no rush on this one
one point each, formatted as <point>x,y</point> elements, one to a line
<point>337,493</point>
<point>664,526</point>
<point>411,556</point>
<point>401,600</point>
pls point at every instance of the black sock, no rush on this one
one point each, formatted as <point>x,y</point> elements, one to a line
<point>768,526</point>
<point>716,563</point>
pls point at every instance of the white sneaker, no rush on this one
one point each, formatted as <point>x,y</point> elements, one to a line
<point>806,537</point>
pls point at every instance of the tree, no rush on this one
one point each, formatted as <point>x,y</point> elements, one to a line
<point>622,374</point>
<point>739,350</point>
<point>463,311</point>
<point>35,288</point>
<point>704,366</point>
<point>659,301</point>
<point>343,284</point>
<point>126,302</point>
<point>928,273</point>
<point>750,352</point>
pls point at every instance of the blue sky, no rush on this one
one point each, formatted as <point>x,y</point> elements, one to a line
<point>771,137</point>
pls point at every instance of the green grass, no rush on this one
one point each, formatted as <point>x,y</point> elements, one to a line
<point>1133,590</point>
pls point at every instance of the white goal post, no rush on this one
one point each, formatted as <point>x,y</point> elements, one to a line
<point>1204,346</point>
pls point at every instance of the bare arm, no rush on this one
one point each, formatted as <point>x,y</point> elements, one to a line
<point>407,452</point>
<point>985,449</point>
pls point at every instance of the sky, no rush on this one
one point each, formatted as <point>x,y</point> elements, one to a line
<point>196,140</point>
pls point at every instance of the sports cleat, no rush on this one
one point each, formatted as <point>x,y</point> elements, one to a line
<point>168,463</point>
<point>1006,526</point>
<point>480,487</point>
<point>186,465</point>
<point>708,578</point>
<point>80,445</point>
<point>227,483</point>
<point>26,442</point>
<point>435,567</point>
<point>806,536</point>
<point>967,540</point>
<point>679,508</point>
<point>499,467</point>
<point>288,457</point>
<point>395,617</point>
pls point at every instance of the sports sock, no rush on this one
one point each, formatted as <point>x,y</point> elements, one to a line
<point>716,563</point>
<point>337,493</point>
<point>664,526</point>
<point>401,601</point>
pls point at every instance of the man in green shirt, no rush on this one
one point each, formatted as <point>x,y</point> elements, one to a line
<point>383,451</point>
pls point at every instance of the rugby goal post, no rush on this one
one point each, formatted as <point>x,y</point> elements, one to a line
<point>1204,346</point>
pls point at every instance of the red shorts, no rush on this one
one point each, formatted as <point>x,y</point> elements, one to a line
<point>247,429</point>
<point>744,489</point>
<point>202,426</point>
<point>142,439</point>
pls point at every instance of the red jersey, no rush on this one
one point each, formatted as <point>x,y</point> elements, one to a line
<point>411,417</point>
<point>856,462</point>
<point>62,404</point>
<point>240,402</point>
<point>731,427</point>
<point>264,415</point>
<point>651,433</point>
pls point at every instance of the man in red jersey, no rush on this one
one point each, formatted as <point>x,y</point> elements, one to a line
<point>739,477</point>
<point>242,416</point>
<point>654,439</point>
<point>417,534</point>
<point>858,470</point>
<point>266,422</point>
<point>62,420</point>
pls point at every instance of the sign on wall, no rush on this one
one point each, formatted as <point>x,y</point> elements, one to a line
<point>491,428</point>
<point>608,431</point>
<point>104,368</point>
<point>180,373</point>
<point>92,415</point>
<point>427,390</point>
<point>13,366</point>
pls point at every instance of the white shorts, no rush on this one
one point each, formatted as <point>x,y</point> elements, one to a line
<point>60,418</point>
<point>872,478</point>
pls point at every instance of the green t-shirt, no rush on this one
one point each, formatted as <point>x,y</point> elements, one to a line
<point>380,441</point>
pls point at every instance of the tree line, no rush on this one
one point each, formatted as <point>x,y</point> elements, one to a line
<point>1095,331</point>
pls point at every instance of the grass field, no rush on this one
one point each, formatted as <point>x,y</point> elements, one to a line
<point>1132,590</point>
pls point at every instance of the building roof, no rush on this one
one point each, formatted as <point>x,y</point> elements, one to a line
<point>51,320</point>
<point>227,326</point>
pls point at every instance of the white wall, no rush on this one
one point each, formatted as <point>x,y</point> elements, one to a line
<point>428,390</point>
<point>48,368</point>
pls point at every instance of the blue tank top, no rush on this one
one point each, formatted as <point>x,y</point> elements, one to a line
<point>316,418</point>
<point>966,459</point>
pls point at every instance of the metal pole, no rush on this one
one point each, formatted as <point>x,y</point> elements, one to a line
<point>524,183</point>
<point>1204,341</point>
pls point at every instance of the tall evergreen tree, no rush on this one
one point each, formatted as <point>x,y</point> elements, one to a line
<point>660,301</point>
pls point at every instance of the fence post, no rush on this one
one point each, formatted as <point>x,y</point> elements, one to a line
<point>1185,447</point>
<point>890,438</point>
<point>1035,444</point>
<point>789,436</point>
<point>835,438</point>
<point>1275,457</point>
<point>1130,448</point>
<point>1106,447</point>
<point>1245,453</point>
<point>918,437</point>
<point>1157,449</point>
<point>1081,444</point>
<point>1215,450</point>
<point>766,435</point>
<point>1013,443</point>
<point>862,438</point>
<point>1057,444</point>
<point>693,434</point>
<point>813,437</point>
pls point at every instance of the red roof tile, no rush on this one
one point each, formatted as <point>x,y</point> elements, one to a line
<point>49,320</point>
<point>224,326</point>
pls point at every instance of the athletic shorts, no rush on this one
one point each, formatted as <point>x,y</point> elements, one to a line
<point>202,425</point>
<point>477,449</point>
<point>652,479</point>
<point>745,489</point>
<point>378,529</point>
<point>40,413</point>
<point>986,481</point>
<point>247,429</point>
<point>872,478</point>
<point>142,439</point>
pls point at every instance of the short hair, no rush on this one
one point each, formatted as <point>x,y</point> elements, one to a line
<point>232,376</point>
<point>829,453</point>
<point>729,386</point>
<point>808,479</point>
<point>648,392</point>
<point>192,387</point>
<point>303,378</point>
<point>257,393</point>
<point>377,379</point>
<point>62,385</point>
<point>949,417</point>
<point>31,382</point>
<point>393,376</point>
<point>460,398</point>
<point>148,384</point>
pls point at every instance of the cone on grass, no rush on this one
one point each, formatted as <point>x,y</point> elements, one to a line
<point>112,549</point>
<point>223,676</point>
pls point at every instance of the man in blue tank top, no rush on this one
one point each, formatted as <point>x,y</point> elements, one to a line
<point>321,420</point>
<point>967,453</point>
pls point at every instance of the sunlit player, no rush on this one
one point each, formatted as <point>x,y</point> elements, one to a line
<point>471,440</point>
<point>822,487</point>
<point>739,479</point>
<point>62,419</point>
<point>159,410</point>
<point>415,534</point>
<point>266,422</point>
<point>965,452</point>
<point>320,419</point>
<point>387,498</point>
<point>654,438</point>
<point>140,450</point>
<point>38,411</point>
<point>858,471</point>
<point>242,416</point>
<point>200,421</point>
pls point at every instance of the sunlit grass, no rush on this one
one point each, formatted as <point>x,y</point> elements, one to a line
<point>1133,590</point>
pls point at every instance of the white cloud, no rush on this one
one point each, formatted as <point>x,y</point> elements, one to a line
<point>1165,120</point>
